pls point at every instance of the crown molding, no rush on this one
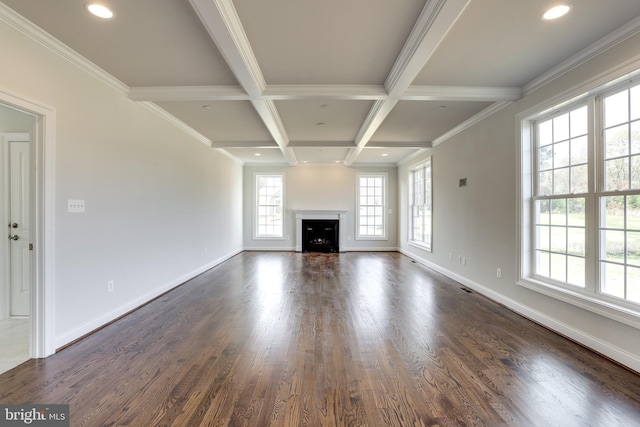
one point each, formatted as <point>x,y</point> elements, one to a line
<point>628,30</point>
<point>45,39</point>
<point>401,144</point>
<point>176,122</point>
<point>188,93</point>
<point>461,93</point>
<point>490,110</point>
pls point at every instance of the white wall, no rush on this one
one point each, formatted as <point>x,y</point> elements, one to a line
<point>319,187</point>
<point>160,205</point>
<point>479,221</point>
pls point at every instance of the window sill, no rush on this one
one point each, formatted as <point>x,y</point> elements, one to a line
<point>591,303</point>
<point>419,245</point>
<point>268,238</point>
<point>372,238</point>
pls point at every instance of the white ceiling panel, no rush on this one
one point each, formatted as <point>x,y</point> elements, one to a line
<point>147,43</point>
<point>424,121</point>
<point>260,155</point>
<point>385,155</point>
<point>221,121</point>
<point>318,120</point>
<point>327,42</point>
<point>321,154</point>
<point>506,43</point>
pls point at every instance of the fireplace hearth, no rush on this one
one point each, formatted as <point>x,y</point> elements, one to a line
<point>320,235</point>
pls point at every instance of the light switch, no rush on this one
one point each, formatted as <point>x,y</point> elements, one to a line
<point>75,206</point>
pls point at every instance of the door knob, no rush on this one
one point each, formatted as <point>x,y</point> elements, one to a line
<point>13,237</point>
<point>14,225</point>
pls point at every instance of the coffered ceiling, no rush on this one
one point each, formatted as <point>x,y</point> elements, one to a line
<point>364,82</point>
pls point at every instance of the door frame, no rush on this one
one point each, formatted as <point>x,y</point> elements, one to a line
<point>42,308</point>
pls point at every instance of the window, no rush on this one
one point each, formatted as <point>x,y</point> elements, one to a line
<point>420,205</point>
<point>581,200</point>
<point>269,197</point>
<point>372,194</point>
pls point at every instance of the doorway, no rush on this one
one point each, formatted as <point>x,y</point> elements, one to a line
<point>15,248</point>
<point>27,248</point>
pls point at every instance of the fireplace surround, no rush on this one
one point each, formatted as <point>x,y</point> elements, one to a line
<point>321,215</point>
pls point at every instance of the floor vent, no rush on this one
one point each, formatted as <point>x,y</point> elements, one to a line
<point>467,290</point>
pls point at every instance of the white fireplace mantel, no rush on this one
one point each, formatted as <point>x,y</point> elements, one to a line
<point>321,214</point>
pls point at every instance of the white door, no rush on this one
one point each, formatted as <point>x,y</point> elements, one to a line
<point>19,227</point>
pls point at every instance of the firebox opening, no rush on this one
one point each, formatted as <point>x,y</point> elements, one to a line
<point>320,235</point>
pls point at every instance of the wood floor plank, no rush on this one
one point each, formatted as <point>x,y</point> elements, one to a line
<point>355,339</point>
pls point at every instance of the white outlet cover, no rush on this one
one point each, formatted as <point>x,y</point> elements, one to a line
<point>75,206</point>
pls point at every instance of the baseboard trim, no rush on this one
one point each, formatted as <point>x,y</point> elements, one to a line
<point>616,354</point>
<point>77,334</point>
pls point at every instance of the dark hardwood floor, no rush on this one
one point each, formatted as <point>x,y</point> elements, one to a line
<point>290,339</point>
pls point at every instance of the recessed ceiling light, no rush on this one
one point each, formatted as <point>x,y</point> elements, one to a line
<point>99,10</point>
<point>257,154</point>
<point>556,12</point>
<point>385,154</point>
<point>206,107</point>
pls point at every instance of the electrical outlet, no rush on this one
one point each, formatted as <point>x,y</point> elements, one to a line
<point>499,273</point>
<point>464,261</point>
<point>110,286</point>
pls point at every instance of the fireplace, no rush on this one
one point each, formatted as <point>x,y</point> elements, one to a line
<point>339,217</point>
<point>320,235</point>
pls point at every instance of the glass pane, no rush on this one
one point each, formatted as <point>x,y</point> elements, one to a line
<point>635,172</point>
<point>579,179</point>
<point>633,248</point>
<point>545,158</point>
<point>617,174</point>
<point>561,181</point>
<point>635,103</point>
<point>633,284</point>
<point>612,245</point>
<point>576,271</point>
<point>542,212</point>
<point>559,239</point>
<point>616,141</point>
<point>545,180</point>
<point>633,212</point>
<point>558,267</point>
<point>616,109</point>
<point>576,241</point>
<point>612,212</point>
<point>561,154</point>
<point>576,212</point>
<point>561,128</point>
<point>579,150</point>
<point>545,133</point>
<point>543,237</point>
<point>579,123</point>
<point>613,279</point>
<point>635,137</point>
<point>542,263</point>
<point>559,212</point>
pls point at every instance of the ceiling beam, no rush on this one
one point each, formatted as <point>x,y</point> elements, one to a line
<point>221,21</point>
<point>433,24</point>
<point>461,93</point>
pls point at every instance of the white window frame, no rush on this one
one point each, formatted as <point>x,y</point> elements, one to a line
<point>427,197</point>
<point>256,207</point>
<point>590,297</point>
<point>383,205</point>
